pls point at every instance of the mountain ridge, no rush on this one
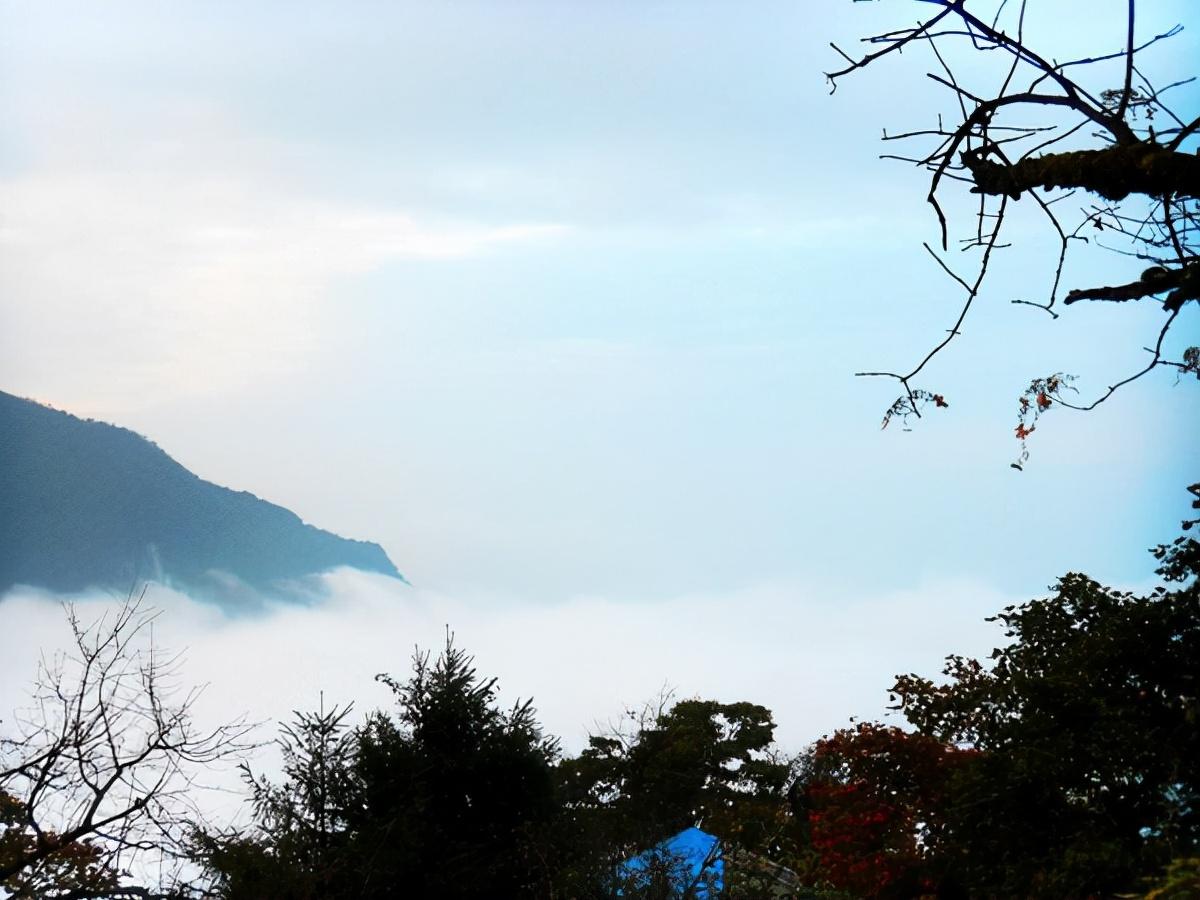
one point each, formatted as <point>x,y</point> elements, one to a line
<point>86,504</point>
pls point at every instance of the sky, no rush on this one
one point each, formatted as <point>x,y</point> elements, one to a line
<point>561,303</point>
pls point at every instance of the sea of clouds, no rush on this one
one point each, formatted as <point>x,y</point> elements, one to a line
<point>814,658</point>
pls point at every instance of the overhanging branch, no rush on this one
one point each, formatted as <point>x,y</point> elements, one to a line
<point>1183,284</point>
<point>1113,173</point>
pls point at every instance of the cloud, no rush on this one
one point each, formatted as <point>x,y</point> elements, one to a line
<point>159,268</point>
<point>811,656</point>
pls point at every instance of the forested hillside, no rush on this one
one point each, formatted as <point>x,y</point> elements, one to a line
<point>85,503</point>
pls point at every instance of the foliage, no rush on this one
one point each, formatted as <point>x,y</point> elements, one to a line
<point>689,865</point>
<point>301,848</point>
<point>873,798</point>
<point>1069,766</point>
<point>699,763</point>
<point>447,797</point>
<point>1181,881</point>
<point>76,866</point>
<point>1036,399</point>
<point>454,790</point>
<point>1181,558</point>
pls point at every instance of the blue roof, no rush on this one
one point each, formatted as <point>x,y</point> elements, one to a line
<point>691,858</point>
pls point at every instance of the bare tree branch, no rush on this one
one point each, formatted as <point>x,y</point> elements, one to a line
<point>1103,142</point>
<point>102,761</point>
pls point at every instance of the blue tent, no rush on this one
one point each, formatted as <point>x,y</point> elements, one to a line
<point>691,860</point>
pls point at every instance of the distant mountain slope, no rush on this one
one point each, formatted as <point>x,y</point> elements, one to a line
<point>85,503</point>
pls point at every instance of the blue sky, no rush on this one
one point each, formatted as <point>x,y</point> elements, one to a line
<point>561,303</point>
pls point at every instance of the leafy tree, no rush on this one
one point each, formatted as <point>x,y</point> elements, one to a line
<point>1021,124</point>
<point>1089,721</point>
<point>872,800</point>
<point>699,763</point>
<point>1068,767</point>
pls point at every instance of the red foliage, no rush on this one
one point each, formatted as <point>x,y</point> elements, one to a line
<point>873,804</point>
<point>1035,400</point>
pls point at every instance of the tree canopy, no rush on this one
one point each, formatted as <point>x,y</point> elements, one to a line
<point>1065,766</point>
<point>698,762</point>
<point>446,796</point>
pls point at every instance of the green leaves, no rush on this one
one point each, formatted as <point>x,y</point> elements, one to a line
<point>1076,753</point>
<point>700,762</point>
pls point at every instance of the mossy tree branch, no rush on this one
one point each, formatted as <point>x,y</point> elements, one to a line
<point>1112,173</point>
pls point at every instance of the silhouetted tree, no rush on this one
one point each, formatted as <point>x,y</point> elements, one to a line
<point>454,790</point>
<point>98,776</point>
<point>1024,125</point>
<point>300,846</point>
<point>448,796</point>
<point>1069,767</point>
<point>698,762</point>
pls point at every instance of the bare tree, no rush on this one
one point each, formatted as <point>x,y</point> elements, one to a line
<point>1090,141</point>
<point>98,777</point>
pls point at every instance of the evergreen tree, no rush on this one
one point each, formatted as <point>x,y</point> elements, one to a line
<point>449,796</point>
<point>300,846</point>
<point>455,791</point>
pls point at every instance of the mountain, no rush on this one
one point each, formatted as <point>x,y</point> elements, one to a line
<point>87,504</point>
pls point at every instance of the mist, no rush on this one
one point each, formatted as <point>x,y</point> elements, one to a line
<point>812,656</point>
